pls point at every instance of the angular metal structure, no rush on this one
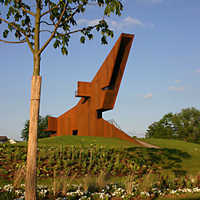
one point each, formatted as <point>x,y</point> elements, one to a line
<point>97,96</point>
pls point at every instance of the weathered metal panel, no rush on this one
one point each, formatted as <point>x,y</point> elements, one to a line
<point>98,96</point>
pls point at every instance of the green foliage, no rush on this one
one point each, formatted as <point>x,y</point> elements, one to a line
<point>58,18</point>
<point>86,141</point>
<point>6,195</point>
<point>42,124</point>
<point>184,125</point>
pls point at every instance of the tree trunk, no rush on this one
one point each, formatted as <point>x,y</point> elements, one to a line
<point>31,165</point>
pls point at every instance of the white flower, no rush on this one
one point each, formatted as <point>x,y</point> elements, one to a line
<point>173,191</point>
<point>196,189</point>
<point>8,187</point>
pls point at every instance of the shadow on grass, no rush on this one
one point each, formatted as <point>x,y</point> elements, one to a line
<point>163,158</point>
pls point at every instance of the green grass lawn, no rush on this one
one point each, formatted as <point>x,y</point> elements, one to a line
<point>86,141</point>
<point>190,156</point>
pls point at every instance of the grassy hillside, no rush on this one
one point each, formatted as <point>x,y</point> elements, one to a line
<point>86,141</point>
<point>108,160</point>
<point>65,153</point>
<point>69,155</point>
<point>190,162</point>
<point>175,157</point>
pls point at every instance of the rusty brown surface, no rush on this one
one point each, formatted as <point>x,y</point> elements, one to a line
<point>97,96</point>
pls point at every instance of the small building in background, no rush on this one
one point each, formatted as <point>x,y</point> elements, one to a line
<point>3,139</point>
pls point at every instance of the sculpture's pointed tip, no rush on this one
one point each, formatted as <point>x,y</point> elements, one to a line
<point>128,35</point>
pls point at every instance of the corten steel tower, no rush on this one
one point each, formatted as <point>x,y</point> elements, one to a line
<point>97,96</point>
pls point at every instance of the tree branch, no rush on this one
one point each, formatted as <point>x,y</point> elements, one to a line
<point>28,11</point>
<point>30,45</point>
<point>78,30</point>
<point>53,33</point>
<point>48,11</point>
<point>67,19</point>
<point>10,23</point>
<point>13,42</point>
<point>46,31</point>
<point>44,22</point>
<point>20,30</point>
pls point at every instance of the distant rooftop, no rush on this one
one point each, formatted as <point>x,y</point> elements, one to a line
<point>3,138</point>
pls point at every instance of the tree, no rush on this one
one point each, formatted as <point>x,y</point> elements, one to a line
<point>184,125</point>
<point>27,21</point>
<point>42,125</point>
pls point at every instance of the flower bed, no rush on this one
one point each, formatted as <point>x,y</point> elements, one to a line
<point>77,192</point>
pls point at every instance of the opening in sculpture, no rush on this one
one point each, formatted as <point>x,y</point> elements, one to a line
<point>97,96</point>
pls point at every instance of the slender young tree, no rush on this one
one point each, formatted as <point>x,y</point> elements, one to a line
<point>27,20</point>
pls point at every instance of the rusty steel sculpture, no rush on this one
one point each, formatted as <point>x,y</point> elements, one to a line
<point>97,96</point>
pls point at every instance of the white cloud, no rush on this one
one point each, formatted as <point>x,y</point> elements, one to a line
<point>129,20</point>
<point>174,88</point>
<point>148,96</point>
<point>117,25</point>
<point>125,23</point>
<point>88,22</point>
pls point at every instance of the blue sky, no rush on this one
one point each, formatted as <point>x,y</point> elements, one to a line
<point>162,73</point>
